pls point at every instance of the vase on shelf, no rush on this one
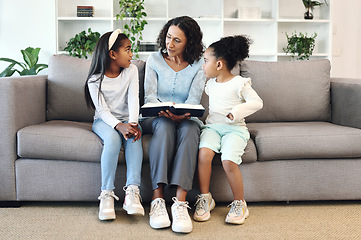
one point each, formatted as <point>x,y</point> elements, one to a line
<point>308,14</point>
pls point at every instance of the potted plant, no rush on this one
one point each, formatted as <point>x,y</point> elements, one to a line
<point>132,15</point>
<point>82,44</point>
<point>30,67</point>
<point>310,6</point>
<point>300,45</point>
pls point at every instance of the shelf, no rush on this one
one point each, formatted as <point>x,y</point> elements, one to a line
<point>216,18</point>
<point>85,19</point>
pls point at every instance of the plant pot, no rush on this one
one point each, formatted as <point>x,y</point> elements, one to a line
<point>308,14</point>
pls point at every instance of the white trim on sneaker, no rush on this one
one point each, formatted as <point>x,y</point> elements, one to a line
<point>182,222</point>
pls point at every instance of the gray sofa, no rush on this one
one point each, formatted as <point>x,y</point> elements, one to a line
<point>305,142</point>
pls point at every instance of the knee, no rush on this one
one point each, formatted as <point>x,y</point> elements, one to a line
<point>189,128</point>
<point>205,156</point>
<point>229,166</point>
<point>163,125</point>
<point>113,139</point>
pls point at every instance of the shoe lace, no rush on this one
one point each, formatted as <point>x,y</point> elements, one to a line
<point>159,208</point>
<point>105,195</point>
<point>201,203</point>
<point>134,194</point>
<point>236,207</point>
<point>181,212</point>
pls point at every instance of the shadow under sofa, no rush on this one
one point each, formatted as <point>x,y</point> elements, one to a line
<point>305,143</point>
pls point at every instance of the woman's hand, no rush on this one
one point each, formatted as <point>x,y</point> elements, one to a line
<point>173,117</point>
<point>129,130</point>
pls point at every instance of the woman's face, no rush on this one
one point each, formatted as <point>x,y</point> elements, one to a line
<point>175,41</point>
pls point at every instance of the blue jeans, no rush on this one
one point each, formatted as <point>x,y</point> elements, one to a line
<point>112,142</point>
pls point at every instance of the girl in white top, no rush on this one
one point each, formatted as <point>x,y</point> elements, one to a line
<point>112,89</point>
<point>231,99</point>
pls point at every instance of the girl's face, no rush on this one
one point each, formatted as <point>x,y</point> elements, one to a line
<point>175,41</point>
<point>210,64</point>
<point>123,55</point>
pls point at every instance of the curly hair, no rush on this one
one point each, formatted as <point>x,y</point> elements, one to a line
<point>194,48</point>
<point>232,49</point>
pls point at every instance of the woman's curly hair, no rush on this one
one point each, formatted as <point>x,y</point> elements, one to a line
<point>194,48</point>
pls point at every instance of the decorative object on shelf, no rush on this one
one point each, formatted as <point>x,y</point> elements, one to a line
<point>132,16</point>
<point>300,45</point>
<point>85,11</point>
<point>249,13</point>
<point>82,44</point>
<point>148,47</point>
<point>310,6</point>
<point>30,67</point>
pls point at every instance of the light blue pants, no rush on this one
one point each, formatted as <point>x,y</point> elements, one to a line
<point>112,142</point>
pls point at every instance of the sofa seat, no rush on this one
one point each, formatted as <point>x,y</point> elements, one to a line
<point>305,140</point>
<point>61,140</point>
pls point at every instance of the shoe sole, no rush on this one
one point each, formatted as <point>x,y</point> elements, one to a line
<point>239,222</point>
<point>165,225</point>
<point>180,230</point>
<point>134,211</point>
<point>200,219</point>
<point>106,217</point>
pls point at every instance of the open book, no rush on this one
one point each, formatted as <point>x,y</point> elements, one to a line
<point>152,109</point>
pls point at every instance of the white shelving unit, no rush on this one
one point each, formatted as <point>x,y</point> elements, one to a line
<point>217,18</point>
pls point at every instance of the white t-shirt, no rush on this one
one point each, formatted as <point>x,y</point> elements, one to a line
<point>235,96</point>
<point>119,97</point>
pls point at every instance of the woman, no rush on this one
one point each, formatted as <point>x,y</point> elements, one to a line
<point>174,74</point>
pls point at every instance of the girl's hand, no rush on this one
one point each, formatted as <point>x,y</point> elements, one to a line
<point>230,116</point>
<point>138,134</point>
<point>126,129</point>
<point>173,117</point>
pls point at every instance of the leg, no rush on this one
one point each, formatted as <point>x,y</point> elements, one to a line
<point>134,159</point>
<point>235,179</point>
<point>161,151</point>
<point>210,142</point>
<point>205,158</point>
<point>109,158</point>
<point>233,145</point>
<point>185,159</point>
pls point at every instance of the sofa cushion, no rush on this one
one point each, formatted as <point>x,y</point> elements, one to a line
<point>66,79</point>
<point>291,91</point>
<point>61,140</point>
<point>75,141</point>
<point>305,140</point>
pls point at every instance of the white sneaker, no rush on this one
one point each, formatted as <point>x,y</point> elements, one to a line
<point>204,205</point>
<point>106,206</point>
<point>238,213</point>
<point>182,223</point>
<point>132,201</point>
<point>158,215</point>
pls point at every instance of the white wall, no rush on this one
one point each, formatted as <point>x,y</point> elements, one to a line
<point>346,59</point>
<point>25,23</point>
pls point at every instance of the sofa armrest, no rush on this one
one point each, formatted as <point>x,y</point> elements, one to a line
<point>22,103</point>
<point>346,102</point>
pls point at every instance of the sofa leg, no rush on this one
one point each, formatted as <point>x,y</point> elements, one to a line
<point>10,204</point>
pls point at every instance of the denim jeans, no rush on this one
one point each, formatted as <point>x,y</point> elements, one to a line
<point>112,142</point>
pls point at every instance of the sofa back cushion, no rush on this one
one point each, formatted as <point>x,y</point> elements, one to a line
<point>291,91</point>
<point>65,96</point>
